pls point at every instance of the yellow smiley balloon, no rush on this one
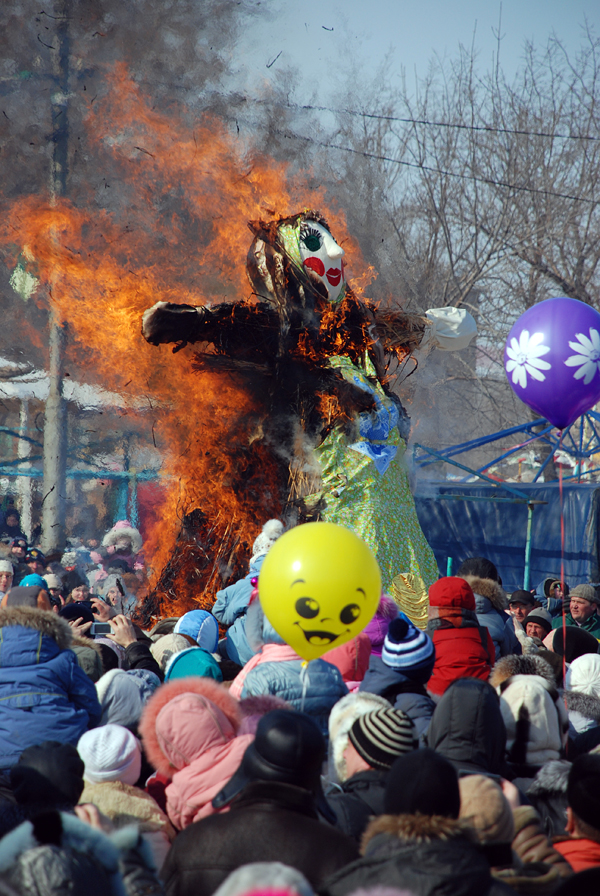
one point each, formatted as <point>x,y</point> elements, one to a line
<point>319,586</point>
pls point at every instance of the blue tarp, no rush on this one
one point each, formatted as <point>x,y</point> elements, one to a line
<point>461,529</point>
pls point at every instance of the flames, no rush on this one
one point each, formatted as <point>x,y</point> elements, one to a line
<point>161,215</point>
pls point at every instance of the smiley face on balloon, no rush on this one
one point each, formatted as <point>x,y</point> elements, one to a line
<point>319,587</point>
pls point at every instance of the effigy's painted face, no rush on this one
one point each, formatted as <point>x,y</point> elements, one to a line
<point>322,255</point>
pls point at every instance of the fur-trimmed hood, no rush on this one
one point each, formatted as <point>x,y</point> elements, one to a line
<point>203,687</point>
<point>494,592</point>
<point>43,621</point>
<point>66,832</point>
<point>417,828</point>
<point>122,530</point>
<point>341,719</point>
<point>551,779</point>
<point>511,665</point>
<point>585,704</point>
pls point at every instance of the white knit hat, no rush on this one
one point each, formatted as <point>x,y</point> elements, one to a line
<point>6,566</point>
<point>110,753</point>
<point>583,675</point>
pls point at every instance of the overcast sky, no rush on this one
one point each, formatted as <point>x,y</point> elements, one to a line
<point>315,35</point>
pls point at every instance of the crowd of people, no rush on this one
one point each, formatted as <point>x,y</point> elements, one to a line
<point>203,756</point>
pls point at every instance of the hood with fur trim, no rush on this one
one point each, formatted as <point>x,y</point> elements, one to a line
<point>585,704</point>
<point>511,665</point>
<point>43,621</point>
<point>551,779</point>
<point>494,592</point>
<point>203,687</point>
<point>537,723</point>
<point>341,719</point>
<point>99,852</point>
<point>417,828</point>
<point>119,532</point>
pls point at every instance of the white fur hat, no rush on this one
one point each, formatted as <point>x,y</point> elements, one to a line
<point>271,531</point>
<point>536,719</point>
<point>110,753</point>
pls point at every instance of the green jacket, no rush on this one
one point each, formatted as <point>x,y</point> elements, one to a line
<point>591,625</point>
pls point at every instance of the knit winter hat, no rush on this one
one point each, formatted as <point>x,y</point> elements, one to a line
<point>271,531</point>
<point>585,592</point>
<point>110,753</point>
<point>583,675</point>
<point>422,781</point>
<point>193,661</point>
<point>201,626</point>
<point>541,616</point>
<point>52,581</point>
<point>6,566</point>
<point>408,650</point>
<point>583,789</point>
<point>48,774</point>
<point>163,649</point>
<point>33,581</point>
<point>485,807</point>
<point>381,736</point>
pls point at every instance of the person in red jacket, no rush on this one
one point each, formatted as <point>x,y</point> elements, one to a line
<point>463,648</point>
<point>581,848</point>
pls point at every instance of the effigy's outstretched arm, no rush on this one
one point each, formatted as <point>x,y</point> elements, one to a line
<point>230,326</point>
<point>448,328</point>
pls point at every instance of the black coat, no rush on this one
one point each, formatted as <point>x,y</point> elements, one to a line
<point>357,801</point>
<point>421,854</point>
<point>468,729</point>
<point>266,823</point>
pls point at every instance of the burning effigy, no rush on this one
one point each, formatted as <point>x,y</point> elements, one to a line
<point>327,437</point>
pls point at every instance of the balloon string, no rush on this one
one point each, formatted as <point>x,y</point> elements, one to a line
<point>562,572</point>
<point>305,680</point>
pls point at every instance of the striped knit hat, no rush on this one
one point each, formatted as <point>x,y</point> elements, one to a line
<point>408,650</point>
<point>383,735</point>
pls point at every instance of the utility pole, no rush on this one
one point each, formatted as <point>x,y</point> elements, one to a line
<point>55,417</point>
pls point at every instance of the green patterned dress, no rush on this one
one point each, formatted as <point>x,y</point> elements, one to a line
<point>366,489</point>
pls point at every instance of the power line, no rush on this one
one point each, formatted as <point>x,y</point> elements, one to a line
<point>484,180</point>
<point>424,121</point>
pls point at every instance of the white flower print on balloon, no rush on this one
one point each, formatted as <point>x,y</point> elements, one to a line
<point>587,358</point>
<point>525,357</point>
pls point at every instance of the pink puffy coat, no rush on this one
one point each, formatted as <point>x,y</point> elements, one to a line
<point>190,734</point>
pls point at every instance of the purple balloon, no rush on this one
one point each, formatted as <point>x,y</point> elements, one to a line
<point>552,359</point>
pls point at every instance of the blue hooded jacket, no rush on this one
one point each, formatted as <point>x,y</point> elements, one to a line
<point>402,692</point>
<point>44,694</point>
<point>230,609</point>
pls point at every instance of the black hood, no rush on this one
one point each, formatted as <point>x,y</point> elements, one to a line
<point>468,729</point>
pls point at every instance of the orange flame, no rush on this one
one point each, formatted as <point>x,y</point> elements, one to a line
<point>177,232</point>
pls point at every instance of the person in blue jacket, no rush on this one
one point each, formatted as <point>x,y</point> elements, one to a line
<point>232,602</point>
<point>44,694</point>
<point>402,671</point>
